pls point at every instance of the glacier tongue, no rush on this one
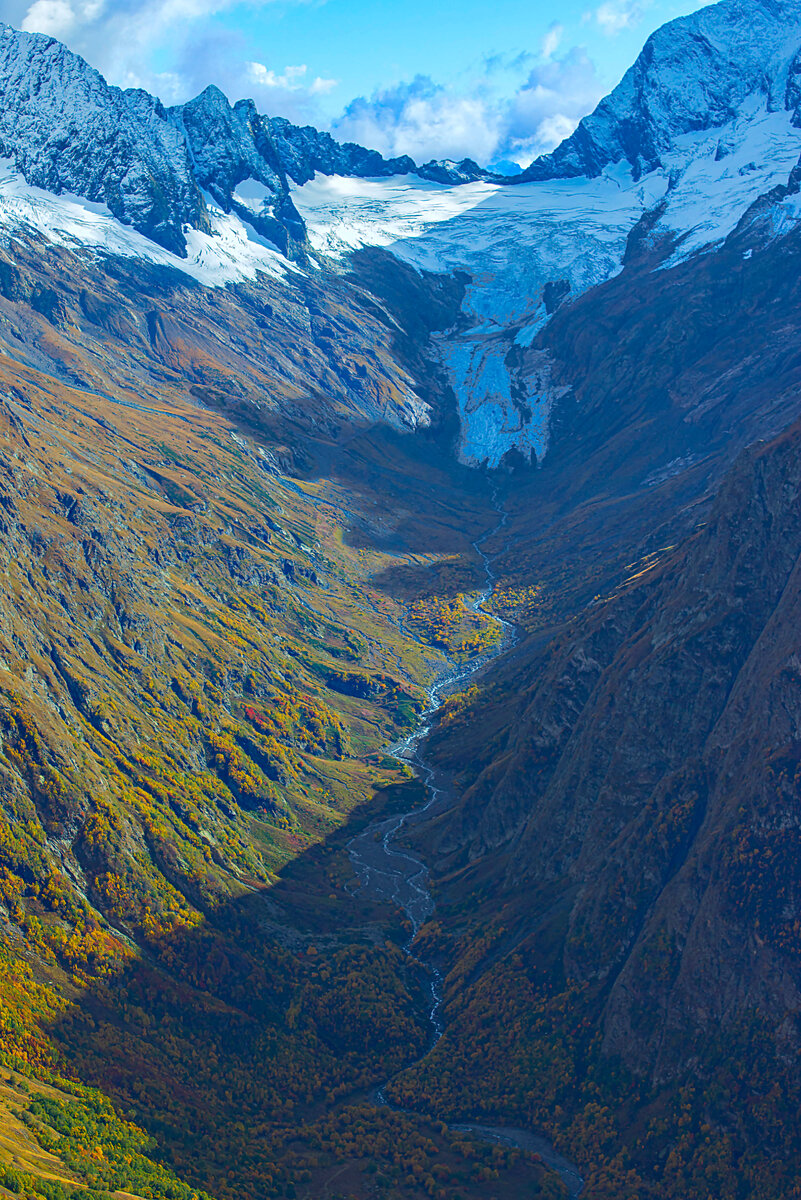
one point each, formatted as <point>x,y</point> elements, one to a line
<point>513,242</point>
<point>520,244</point>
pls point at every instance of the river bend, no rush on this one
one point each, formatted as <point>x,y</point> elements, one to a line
<point>393,873</point>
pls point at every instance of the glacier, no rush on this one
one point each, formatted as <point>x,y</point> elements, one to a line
<point>514,241</point>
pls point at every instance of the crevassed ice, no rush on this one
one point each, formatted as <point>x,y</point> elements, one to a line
<point>512,241</point>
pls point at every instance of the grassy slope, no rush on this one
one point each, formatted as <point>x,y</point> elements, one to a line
<point>197,677</point>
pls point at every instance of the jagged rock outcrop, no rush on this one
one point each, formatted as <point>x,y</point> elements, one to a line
<point>304,150</point>
<point>230,146</point>
<point>694,73</point>
<point>66,130</point>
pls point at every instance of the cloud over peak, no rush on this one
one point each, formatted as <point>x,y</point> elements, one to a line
<point>292,79</point>
<point>428,120</point>
<point>509,106</point>
<point>422,119</point>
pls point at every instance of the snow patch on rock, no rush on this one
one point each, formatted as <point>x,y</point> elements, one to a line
<point>229,252</point>
<point>723,172</point>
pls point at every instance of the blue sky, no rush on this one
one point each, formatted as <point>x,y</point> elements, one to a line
<point>492,79</point>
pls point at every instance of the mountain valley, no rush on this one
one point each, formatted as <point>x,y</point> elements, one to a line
<point>286,428</point>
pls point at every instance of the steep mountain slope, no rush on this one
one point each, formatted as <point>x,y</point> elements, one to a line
<point>694,74</point>
<point>67,130</point>
<point>290,349</point>
<point>196,676</point>
<point>665,375</point>
<point>620,876</point>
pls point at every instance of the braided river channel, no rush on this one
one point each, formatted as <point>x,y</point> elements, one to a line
<point>390,872</point>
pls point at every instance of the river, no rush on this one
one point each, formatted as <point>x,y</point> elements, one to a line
<point>391,873</point>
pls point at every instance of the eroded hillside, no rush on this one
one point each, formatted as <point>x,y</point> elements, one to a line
<point>619,876</point>
<point>202,660</point>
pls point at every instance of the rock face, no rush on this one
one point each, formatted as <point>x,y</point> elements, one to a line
<point>304,151</point>
<point>230,147</point>
<point>652,765</point>
<point>66,130</point>
<point>693,74</point>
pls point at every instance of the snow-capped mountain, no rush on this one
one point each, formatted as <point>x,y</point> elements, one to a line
<point>66,130</point>
<point>703,132</point>
<point>696,73</point>
<point>703,127</point>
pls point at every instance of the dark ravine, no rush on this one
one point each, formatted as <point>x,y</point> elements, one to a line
<point>391,873</point>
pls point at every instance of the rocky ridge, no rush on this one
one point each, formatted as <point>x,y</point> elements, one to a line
<point>66,130</point>
<point>693,74</point>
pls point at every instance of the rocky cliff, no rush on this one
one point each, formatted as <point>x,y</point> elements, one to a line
<point>694,74</point>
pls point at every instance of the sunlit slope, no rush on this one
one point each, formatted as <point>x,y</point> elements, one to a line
<point>182,656</point>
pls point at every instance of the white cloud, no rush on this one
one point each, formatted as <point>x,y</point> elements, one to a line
<point>552,39</point>
<point>259,74</point>
<point>423,120</point>
<point>54,17</point>
<point>554,98</point>
<point>321,87</point>
<point>613,16</point>
<point>292,79</point>
<point>553,130</point>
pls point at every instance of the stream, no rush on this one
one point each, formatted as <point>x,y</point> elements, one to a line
<point>391,873</point>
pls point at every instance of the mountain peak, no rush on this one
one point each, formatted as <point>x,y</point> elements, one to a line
<point>155,168</point>
<point>67,130</point>
<point>693,74</point>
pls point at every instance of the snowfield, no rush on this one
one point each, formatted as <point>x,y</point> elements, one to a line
<point>232,251</point>
<point>514,240</point>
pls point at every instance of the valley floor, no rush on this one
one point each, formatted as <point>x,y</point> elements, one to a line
<point>203,661</point>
